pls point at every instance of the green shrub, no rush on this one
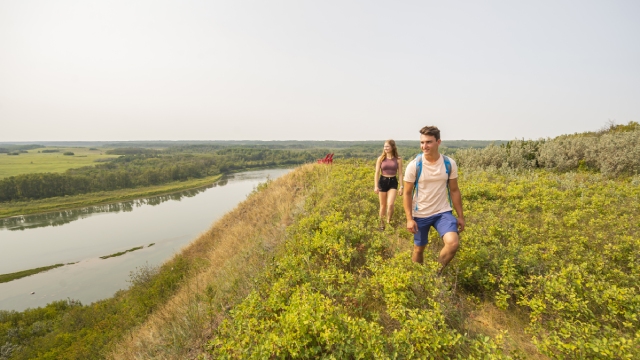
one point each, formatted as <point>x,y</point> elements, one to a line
<point>613,152</point>
<point>68,153</point>
<point>563,248</point>
<point>339,289</point>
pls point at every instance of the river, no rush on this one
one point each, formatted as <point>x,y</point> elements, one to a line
<point>80,237</point>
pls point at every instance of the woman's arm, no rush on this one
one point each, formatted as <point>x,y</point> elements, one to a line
<point>376,176</point>
<point>400,176</point>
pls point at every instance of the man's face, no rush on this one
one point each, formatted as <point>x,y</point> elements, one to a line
<point>429,144</point>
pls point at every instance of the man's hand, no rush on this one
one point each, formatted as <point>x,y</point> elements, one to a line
<point>412,226</point>
<point>461,224</point>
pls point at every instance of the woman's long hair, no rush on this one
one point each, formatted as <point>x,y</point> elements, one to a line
<point>394,150</point>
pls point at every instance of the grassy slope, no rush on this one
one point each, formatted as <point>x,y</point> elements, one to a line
<point>232,253</point>
<point>332,270</point>
<point>34,162</point>
<point>96,198</point>
<point>299,270</point>
<point>553,254</point>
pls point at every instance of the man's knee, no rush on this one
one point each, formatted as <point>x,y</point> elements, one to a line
<point>451,240</point>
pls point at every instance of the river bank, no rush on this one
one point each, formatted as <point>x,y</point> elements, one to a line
<point>242,239</point>
<point>88,236</point>
<point>18,208</point>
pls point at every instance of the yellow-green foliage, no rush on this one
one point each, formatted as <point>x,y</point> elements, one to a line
<point>565,247</point>
<point>561,248</point>
<point>340,290</point>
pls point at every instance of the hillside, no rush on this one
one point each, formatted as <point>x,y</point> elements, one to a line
<point>548,267</point>
<point>528,282</point>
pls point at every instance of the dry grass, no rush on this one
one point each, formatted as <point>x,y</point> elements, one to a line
<point>487,319</point>
<point>230,254</point>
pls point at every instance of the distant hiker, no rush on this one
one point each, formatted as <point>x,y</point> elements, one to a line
<point>386,184</point>
<point>436,191</point>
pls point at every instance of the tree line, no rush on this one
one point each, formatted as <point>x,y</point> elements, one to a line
<point>137,170</point>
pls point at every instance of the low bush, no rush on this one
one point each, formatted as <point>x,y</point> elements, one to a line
<point>614,151</point>
<point>563,248</point>
<point>68,153</point>
<point>341,289</point>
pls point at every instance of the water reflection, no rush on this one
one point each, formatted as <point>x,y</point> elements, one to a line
<point>58,218</point>
<point>109,229</point>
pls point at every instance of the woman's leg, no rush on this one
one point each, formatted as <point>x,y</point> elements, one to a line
<point>391,199</point>
<point>383,207</point>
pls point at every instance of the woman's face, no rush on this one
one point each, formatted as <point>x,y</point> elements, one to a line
<point>387,148</point>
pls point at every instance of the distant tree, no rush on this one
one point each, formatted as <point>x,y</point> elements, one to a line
<point>68,153</point>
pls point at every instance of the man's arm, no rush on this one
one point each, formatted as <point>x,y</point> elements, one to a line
<point>456,198</point>
<point>407,202</point>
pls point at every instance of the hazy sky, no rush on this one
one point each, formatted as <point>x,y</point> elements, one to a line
<point>343,70</point>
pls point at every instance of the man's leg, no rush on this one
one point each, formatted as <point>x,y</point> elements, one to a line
<point>420,239</point>
<point>418,254</point>
<point>451,243</point>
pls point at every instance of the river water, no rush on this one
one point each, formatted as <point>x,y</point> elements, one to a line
<point>80,237</point>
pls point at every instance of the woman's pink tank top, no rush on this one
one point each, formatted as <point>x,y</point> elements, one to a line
<point>389,167</point>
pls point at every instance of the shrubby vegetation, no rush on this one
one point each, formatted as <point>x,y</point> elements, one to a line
<point>69,330</point>
<point>562,247</point>
<point>341,289</point>
<point>551,234</point>
<point>614,151</point>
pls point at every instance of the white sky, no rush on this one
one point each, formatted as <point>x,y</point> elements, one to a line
<point>315,70</point>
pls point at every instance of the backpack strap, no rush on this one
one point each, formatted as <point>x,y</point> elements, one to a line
<point>418,173</point>
<point>447,166</point>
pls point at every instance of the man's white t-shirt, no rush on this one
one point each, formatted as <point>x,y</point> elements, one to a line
<point>432,197</point>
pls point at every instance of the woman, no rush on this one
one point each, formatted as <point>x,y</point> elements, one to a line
<point>386,184</point>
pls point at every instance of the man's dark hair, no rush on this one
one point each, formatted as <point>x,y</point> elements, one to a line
<point>431,131</point>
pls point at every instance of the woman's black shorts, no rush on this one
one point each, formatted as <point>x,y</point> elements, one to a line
<point>386,183</point>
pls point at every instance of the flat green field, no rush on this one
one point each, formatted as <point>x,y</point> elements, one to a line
<point>34,162</point>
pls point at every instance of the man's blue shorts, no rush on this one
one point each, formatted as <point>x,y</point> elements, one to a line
<point>443,223</point>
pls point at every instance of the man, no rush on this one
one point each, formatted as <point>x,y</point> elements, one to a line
<point>431,204</point>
